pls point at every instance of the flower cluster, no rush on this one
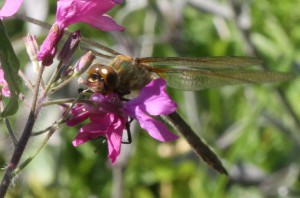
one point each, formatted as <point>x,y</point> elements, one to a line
<point>108,116</point>
<point>73,11</point>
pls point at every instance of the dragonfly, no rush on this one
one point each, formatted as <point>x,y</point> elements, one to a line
<point>186,74</point>
<point>124,74</point>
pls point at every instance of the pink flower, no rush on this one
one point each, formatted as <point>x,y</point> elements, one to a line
<point>108,116</point>
<point>153,100</point>
<point>87,11</point>
<point>69,12</point>
<point>9,8</point>
<point>3,84</point>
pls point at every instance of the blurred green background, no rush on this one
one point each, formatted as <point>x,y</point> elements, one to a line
<point>254,129</point>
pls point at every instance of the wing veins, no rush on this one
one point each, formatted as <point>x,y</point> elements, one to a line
<point>202,79</point>
<point>203,63</point>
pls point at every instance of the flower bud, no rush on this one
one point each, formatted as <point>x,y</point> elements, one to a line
<point>83,63</point>
<point>69,47</point>
<point>49,46</point>
<point>67,72</point>
<point>32,47</point>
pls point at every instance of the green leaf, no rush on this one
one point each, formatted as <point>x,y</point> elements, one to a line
<point>10,64</point>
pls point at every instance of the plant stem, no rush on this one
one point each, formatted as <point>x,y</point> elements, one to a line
<point>24,78</point>
<point>51,130</point>
<point>53,77</point>
<point>57,102</point>
<point>8,126</point>
<point>20,147</point>
<point>61,85</point>
<point>10,131</point>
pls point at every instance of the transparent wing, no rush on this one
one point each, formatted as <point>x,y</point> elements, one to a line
<point>190,80</point>
<point>197,63</point>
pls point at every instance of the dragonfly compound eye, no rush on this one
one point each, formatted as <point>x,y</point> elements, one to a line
<point>102,78</point>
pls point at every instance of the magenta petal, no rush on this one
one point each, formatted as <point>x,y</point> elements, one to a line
<point>48,48</point>
<point>114,140</point>
<point>88,132</point>
<point>108,104</point>
<point>78,108</point>
<point>90,12</point>
<point>156,129</point>
<point>100,118</point>
<point>10,7</point>
<point>105,23</point>
<point>78,118</point>
<point>153,99</point>
<point>118,1</point>
<point>93,129</point>
<point>97,98</point>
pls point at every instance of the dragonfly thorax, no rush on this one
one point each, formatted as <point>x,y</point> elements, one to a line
<point>131,74</point>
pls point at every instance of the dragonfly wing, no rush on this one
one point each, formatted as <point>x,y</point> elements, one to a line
<point>200,63</point>
<point>188,80</point>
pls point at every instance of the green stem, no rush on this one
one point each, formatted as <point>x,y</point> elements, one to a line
<point>10,131</point>
<point>64,83</point>
<point>53,77</point>
<point>64,101</point>
<point>8,126</point>
<point>24,78</point>
<point>59,101</point>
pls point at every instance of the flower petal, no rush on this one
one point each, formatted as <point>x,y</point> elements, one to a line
<point>78,108</point>
<point>153,99</point>
<point>78,118</point>
<point>88,132</point>
<point>79,115</point>
<point>5,91</point>
<point>110,103</point>
<point>156,129</point>
<point>105,23</point>
<point>100,118</point>
<point>49,46</point>
<point>10,7</point>
<point>118,1</point>
<point>114,139</point>
<point>3,84</point>
<point>90,12</point>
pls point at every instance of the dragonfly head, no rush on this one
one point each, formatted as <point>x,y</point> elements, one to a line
<point>102,78</point>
